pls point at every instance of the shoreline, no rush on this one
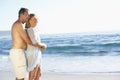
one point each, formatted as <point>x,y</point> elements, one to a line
<point>5,75</point>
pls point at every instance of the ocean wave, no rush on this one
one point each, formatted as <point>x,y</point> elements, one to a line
<point>100,45</point>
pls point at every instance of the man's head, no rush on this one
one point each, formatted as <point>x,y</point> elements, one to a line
<point>23,15</point>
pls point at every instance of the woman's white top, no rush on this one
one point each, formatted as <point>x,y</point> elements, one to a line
<point>33,54</point>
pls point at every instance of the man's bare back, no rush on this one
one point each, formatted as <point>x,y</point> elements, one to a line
<point>17,40</point>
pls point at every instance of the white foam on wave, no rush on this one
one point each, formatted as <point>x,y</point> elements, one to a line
<point>76,64</point>
<point>5,64</point>
<point>82,64</point>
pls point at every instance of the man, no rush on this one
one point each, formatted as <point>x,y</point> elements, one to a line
<point>19,41</point>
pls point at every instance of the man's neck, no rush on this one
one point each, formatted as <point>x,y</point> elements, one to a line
<point>19,20</point>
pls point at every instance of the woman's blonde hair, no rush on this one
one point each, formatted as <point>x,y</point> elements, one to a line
<point>27,25</point>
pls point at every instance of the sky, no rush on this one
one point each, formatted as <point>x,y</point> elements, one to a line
<point>65,16</point>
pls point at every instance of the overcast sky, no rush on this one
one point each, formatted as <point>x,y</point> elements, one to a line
<point>63,16</point>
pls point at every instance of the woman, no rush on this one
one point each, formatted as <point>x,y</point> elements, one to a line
<point>33,53</point>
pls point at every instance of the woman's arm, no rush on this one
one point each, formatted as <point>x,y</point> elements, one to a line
<point>41,46</point>
<point>33,38</point>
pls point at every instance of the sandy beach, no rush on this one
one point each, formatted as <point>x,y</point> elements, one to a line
<point>61,76</point>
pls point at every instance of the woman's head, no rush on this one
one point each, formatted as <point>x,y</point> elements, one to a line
<point>32,21</point>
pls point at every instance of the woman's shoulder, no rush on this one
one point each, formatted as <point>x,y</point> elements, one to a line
<point>30,29</point>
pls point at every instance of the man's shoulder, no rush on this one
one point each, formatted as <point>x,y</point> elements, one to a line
<point>17,24</point>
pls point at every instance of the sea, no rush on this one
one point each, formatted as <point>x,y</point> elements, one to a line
<point>74,53</point>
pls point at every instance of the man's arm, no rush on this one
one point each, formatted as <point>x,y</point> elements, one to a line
<point>23,34</point>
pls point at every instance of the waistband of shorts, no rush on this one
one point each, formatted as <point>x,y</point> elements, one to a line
<point>17,50</point>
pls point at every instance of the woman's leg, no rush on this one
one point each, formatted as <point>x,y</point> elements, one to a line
<point>38,74</point>
<point>19,79</point>
<point>33,74</point>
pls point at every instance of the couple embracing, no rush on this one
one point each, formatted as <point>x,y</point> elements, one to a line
<point>25,53</point>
